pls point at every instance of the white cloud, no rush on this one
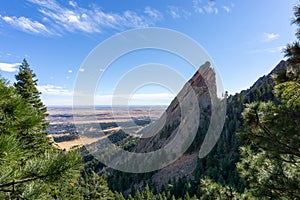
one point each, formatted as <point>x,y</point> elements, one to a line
<point>26,25</point>
<point>9,67</point>
<point>197,5</point>
<point>186,14</point>
<point>153,13</point>
<point>72,3</point>
<point>70,71</point>
<point>173,11</point>
<point>209,7</point>
<point>93,20</point>
<point>57,19</point>
<point>70,21</point>
<point>227,9</point>
<point>271,36</point>
<point>176,12</point>
<point>54,90</point>
<point>133,20</point>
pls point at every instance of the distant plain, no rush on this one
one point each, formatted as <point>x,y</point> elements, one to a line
<point>63,121</point>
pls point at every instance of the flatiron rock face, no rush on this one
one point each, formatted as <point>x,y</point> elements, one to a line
<point>203,86</point>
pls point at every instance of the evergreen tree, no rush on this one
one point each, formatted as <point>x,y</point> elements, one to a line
<point>187,196</point>
<point>119,196</point>
<point>130,197</point>
<point>94,186</point>
<point>270,162</point>
<point>24,172</point>
<point>26,86</point>
<point>292,51</point>
<point>147,194</point>
<point>212,190</point>
<point>138,195</point>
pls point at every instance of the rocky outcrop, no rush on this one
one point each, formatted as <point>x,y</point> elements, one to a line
<point>165,129</point>
<point>203,79</point>
<point>163,132</point>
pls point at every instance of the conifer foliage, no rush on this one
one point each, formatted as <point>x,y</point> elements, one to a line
<point>30,168</point>
<point>270,137</point>
<point>26,86</point>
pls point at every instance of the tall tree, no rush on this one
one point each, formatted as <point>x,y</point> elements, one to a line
<point>26,173</point>
<point>26,86</point>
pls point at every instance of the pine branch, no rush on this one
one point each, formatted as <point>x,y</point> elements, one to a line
<point>5,190</point>
<point>19,181</point>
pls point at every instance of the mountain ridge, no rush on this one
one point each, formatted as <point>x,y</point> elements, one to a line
<point>189,166</point>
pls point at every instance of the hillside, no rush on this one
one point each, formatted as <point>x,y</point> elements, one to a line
<point>219,164</point>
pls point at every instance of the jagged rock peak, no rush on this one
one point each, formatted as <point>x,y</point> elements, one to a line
<point>281,66</point>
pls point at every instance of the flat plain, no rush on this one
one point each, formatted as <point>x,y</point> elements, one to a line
<point>64,122</point>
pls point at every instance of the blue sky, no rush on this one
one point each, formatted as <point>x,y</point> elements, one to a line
<point>244,38</point>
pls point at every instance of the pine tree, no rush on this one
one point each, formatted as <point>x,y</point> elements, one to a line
<point>212,190</point>
<point>26,86</point>
<point>147,194</point>
<point>138,195</point>
<point>118,196</point>
<point>26,173</point>
<point>270,164</point>
<point>187,196</point>
<point>130,197</point>
<point>94,186</point>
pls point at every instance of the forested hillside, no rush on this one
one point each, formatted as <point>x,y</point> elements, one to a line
<point>269,140</point>
<point>231,170</point>
<point>220,164</point>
